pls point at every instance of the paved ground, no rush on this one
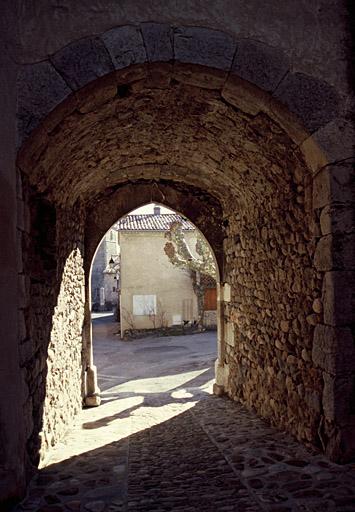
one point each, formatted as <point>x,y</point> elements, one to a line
<point>162,442</point>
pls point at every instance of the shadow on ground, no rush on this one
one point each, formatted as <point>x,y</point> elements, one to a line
<point>216,456</point>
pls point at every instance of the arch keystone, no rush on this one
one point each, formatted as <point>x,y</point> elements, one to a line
<point>204,46</point>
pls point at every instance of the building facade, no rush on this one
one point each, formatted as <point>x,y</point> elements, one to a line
<point>154,293</point>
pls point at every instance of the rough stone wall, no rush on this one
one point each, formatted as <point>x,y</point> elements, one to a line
<point>52,318</point>
<point>275,303</point>
<point>230,98</point>
<point>64,362</point>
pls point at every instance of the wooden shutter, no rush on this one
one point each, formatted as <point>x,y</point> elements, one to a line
<point>210,299</point>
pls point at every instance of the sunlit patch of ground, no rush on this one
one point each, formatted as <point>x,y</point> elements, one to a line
<point>132,406</point>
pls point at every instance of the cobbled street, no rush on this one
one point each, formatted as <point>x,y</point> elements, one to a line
<point>161,441</point>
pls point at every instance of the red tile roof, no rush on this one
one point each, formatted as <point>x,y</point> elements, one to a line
<point>151,222</point>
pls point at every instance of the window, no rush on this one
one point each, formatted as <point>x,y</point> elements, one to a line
<point>144,305</point>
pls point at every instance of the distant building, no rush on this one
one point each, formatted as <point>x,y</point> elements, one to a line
<point>153,293</point>
<point>104,278</point>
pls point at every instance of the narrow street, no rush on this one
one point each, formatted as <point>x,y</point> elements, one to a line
<point>161,441</point>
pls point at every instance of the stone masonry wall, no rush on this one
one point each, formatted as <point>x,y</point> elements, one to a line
<point>64,364</point>
<point>51,329</point>
<point>235,135</point>
<point>275,303</point>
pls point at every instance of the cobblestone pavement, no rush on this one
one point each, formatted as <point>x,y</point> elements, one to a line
<point>165,443</point>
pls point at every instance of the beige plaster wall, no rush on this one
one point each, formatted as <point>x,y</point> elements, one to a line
<point>146,270</point>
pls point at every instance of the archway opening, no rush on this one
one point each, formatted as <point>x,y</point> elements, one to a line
<point>157,274</point>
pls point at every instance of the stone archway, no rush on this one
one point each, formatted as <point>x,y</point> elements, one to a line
<point>197,123</point>
<point>203,210</point>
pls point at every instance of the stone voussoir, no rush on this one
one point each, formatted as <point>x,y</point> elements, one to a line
<point>314,101</point>
<point>158,41</point>
<point>336,139</point>
<point>125,45</point>
<point>41,89</point>
<point>204,46</point>
<point>82,62</point>
<point>334,184</point>
<point>260,64</point>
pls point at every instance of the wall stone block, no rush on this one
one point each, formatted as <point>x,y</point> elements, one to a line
<point>315,102</point>
<point>40,89</point>
<point>28,418</point>
<point>336,139</point>
<point>126,76</point>
<point>336,394</point>
<point>334,349</point>
<point>19,190</point>
<point>158,41</point>
<point>91,97</point>
<point>338,296</point>
<point>204,46</point>
<point>337,218</point>
<point>26,352</point>
<point>334,183</point>
<point>198,76</point>
<point>22,330</point>
<point>82,61</point>
<point>244,95</point>
<point>260,64</point>
<point>19,237</point>
<point>335,252</point>
<point>125,45</point>
<point>229,333</point>
<point>22,288</point>
<point>20,215</point>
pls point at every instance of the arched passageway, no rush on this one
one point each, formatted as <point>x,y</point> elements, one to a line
<point>144,267</point>
<point>233,159</point>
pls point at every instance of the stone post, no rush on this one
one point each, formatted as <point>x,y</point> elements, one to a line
<point>223,294</point>
<point>92,391</point>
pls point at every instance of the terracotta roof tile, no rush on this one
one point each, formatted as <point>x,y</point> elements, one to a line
<point>151,222</point>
